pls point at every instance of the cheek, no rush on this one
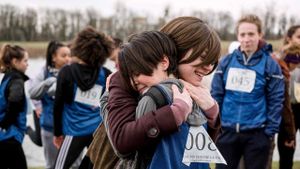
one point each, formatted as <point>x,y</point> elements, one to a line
<point>185,72</point>
<point>182,69</point>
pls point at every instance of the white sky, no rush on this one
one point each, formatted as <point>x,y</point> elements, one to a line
<point>155,7</point>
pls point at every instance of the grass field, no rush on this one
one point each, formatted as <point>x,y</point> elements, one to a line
<point>274,166</point>
<point>38,49</point>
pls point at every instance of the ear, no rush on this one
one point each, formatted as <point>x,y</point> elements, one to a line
<point>165,62</point>
<point>260,35</point>
<point>14,62</point>
<point>53,59</point>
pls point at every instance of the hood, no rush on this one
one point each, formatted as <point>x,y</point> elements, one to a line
<point>263,48</point>
<point>84,76</point>
<point>263,45</point>
<point>15,74</point>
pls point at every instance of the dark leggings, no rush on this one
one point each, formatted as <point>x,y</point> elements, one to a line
<point>12,155</point>
<point>286,154</point>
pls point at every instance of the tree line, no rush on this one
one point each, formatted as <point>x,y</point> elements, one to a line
<point>44,24</point>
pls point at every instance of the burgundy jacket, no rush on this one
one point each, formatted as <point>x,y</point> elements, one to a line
<point>128,133</point>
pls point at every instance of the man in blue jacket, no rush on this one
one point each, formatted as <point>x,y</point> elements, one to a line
<point>248,86</point>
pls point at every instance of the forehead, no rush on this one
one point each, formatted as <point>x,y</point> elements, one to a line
<point>245,27</point>
<point>26,56</point>
<point>297,32</point>
<point>63,49</point>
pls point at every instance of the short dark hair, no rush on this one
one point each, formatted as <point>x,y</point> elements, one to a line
<point>143,52</point>
<point>92,47</point>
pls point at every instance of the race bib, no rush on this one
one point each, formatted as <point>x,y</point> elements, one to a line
<point>90,97</point>
<point>1,77</point>
<point>297,91</point>
<point>200,148</point>
<point>242,80</point>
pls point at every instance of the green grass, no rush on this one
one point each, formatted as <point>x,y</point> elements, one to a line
<point>274,166</point>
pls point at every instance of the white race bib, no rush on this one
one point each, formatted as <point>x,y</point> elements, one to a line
<point>1,77</point>
<point>90,97</point>
<point>297,91</point>
<point>200,148</point>
<point>242,80</point>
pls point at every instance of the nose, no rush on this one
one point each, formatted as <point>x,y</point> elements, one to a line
<point>207,68</point>
<point>68,60</point>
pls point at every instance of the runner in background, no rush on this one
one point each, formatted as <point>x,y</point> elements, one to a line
<point>94,157</point>
<point>13,106</point>
<point>114,55</point>
<point>79,88</point>
<point>289,60</point>
<point>249,87</point>
<point>42,88</point>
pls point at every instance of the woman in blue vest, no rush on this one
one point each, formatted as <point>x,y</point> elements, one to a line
<point>79,88</point>
<point>13,64</point>
<point>43,89</point>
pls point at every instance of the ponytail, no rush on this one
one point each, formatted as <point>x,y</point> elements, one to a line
<point>7,54</point>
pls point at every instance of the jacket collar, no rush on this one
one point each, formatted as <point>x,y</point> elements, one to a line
<point>263,48</point>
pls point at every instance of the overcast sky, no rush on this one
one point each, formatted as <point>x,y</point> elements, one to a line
<point>155,7</point>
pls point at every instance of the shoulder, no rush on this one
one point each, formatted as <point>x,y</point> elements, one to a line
<point>226,59</point>
<point>271,64</point>
<point>66,70</point>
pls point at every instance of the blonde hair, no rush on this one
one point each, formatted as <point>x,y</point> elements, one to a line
<point>250,19</point>
<point>293,50</point>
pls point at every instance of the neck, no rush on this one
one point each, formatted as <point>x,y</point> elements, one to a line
<point>171,76</point>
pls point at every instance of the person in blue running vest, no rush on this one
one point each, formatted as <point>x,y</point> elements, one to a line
<point>248,85</point>
<point>13,106</point>
<point>290,116</point>
<point>79,88</point>
<point>43,88</point>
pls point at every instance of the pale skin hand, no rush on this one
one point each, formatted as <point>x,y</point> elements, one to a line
<point>108,81</point>
<point>200,94</point>
<point>38,112</point>
<point>290,144</point>
<point>57,141</point>
<point>184,96</point>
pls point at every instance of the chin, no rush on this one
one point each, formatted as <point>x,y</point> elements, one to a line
<point>196,83</point>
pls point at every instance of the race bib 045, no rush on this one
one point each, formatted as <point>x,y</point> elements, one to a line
<point>242,80</point>
<point>90,97</point>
